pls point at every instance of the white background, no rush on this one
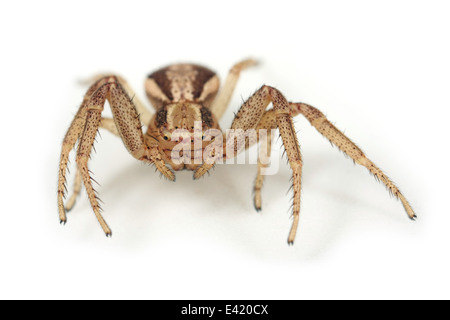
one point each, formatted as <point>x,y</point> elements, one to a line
<point>379,70</point>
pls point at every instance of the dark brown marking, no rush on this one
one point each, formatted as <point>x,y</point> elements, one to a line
<point>161,118</point>
<point>162,81</point>
<point>165,83</point>
<point>202,77</point>
<point>207,118</point>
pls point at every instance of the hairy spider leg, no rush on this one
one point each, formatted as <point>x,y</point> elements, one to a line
<point>249,116</point>
<point>223,98</point>
<point>84,128</point>
<point>337,138</point>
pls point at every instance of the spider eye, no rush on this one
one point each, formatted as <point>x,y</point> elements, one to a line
<point>166,134</point>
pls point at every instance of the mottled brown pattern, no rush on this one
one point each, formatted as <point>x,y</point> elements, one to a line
<point>183,94</point>
<point>161,116</point>
<point>182,74</point>
<point>164,83</point>
<point>207,117</point>
<point>203,75</point>
<point>126,118</point>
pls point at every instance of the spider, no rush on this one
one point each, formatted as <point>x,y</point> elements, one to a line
<point>181,95</point>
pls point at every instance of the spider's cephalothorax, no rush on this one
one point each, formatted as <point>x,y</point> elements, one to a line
<point>173,119</point>
<point>182,95</point>
<point>187,99</point>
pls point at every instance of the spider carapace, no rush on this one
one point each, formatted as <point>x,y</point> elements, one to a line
<point>186,98</point>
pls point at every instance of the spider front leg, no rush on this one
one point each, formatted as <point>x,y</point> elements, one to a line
<point>105,123</point>
<point>144,114</point>
<point>336,137</point>
<point>84,129</point>
<point>253,115</point>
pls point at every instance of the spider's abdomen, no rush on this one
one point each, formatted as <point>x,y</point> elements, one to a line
<point>182,82</point>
